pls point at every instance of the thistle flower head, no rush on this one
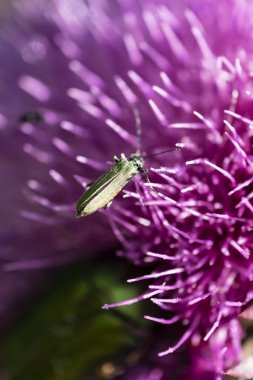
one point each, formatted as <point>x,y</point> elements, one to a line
<point>186,67</point>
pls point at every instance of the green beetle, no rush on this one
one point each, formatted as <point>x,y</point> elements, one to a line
<point>101,193</point>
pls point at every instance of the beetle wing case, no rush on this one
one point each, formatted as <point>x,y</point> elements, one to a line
<point>108,185</point>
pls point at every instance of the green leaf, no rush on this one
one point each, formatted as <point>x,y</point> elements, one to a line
<point>66,335</point>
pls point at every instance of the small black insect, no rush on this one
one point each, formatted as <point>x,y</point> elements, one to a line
<point>31,117</point>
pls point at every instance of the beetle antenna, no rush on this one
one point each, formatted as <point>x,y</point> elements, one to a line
<point>176,149</point>
<point>137,118</point>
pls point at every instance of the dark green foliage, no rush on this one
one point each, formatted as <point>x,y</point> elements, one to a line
<point>66,335</point>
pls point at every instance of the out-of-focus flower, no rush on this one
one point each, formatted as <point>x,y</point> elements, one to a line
<point>73,72</point>
<point>151,367</point>
<point>38,229</point>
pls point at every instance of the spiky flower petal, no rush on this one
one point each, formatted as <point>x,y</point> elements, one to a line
<point>80,69</point>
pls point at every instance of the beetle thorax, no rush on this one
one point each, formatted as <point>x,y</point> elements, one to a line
<point>137,160</point>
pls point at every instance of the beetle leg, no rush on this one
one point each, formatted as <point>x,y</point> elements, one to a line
<point>145,172</point>
<point>88,185</point>
<point>107,205</point>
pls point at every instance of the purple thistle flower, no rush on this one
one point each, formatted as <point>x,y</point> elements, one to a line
<point>38,229</point>
<point>198,231</point>
<point>74,71</point>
